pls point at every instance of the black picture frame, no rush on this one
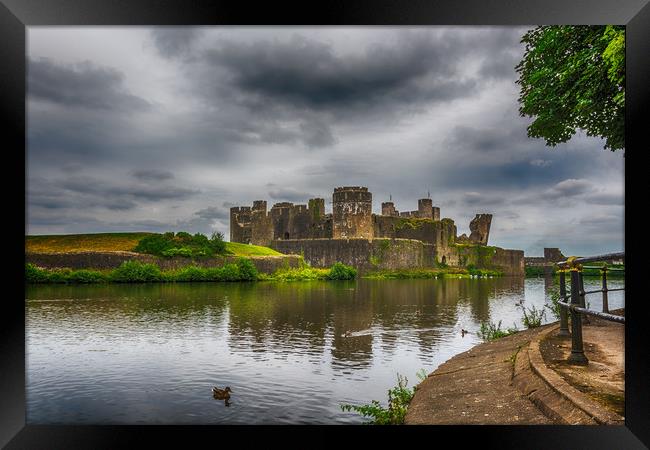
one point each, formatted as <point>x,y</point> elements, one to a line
<point>16,15</point>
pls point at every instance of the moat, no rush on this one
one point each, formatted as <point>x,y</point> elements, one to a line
<point>150,354</point>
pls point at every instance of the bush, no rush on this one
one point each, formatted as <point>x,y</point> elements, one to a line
<point>340,271</point>
<point>182,244</point>
<point>247,270</point>
<point>229,272</point>
<point>35,275</point>
<point>190,273</point>
<point>533,317</point>
<point>399,398</point>
<point>86,276</point>
<point>135,272</point>
<point>489,331</point>
<point>182,251</point>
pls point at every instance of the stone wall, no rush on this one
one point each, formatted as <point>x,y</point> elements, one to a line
<point>438,232</point>
<point>392,254</point>
<point>364,254</point>
<point>111,260</point>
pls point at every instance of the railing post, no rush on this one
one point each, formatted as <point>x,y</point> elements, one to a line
<point>583,304</point>
<point>605,299</point>
<point>564,319</point>
<point>577,355</point>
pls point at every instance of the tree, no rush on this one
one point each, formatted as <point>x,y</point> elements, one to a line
<point>573,77</point>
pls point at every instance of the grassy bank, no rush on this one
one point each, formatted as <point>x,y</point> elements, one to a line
<point>446,272</point>
<point>536,271</point>
<point>115,242</point>
<point>137,272</point>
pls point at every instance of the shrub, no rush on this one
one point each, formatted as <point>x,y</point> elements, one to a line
<point>34,274</point>
<point>533,317</point>
<point>340,271</point>
<point>182,244</point>
<point>217,243</point>
<point>182,251</point>
<point>86,276</point>
<point>191,273</point>
<point>247,270</point>
<point>399,398</point>
<point>489,331</point>
<point>135,271</point>
<point>229,272</point>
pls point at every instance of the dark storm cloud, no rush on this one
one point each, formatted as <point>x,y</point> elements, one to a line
<point>152,174</point>
<point>82,192</point>
<point>307,73</point>
<point>83,84</point>
<point>174,41</point>
<point>213,212</point>
<point>87,185</point>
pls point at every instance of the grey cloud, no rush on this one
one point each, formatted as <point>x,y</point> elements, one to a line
<point>213,212</point>
<point>317,134</point>
<point>174,41</point>
<point>306,74</point>
<point>605,198</point>
<point>152,174</point>
<point>290,195</point>
<point>569,188</point>
<point>541,162</point>
<point>83,84</point>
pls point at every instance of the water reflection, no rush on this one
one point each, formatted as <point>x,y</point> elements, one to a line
<point>151,353</point>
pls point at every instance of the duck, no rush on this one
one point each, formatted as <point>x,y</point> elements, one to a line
<point>221,394</point>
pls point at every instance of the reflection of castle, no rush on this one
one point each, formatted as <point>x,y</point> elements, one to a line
<point>352,234</point>
<point>351,218</point>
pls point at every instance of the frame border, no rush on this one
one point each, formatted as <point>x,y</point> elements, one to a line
<point>16,15</point>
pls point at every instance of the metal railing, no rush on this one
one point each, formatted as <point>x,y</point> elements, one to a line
<point>577,307</point>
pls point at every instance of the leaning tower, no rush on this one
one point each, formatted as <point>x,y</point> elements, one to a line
<point>352,213</point>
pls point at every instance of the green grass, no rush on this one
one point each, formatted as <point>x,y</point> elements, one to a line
<point>137,272</point>
<point>73,243</point>
<point>445,272</point>
<point>250,250</point>
<point>114,242</point>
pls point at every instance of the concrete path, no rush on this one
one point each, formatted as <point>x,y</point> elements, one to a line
<point>522,379</point>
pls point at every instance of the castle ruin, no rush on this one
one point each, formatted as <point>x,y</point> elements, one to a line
<point>351,233</point>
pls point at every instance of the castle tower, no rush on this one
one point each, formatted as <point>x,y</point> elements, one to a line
<point>280,216</point>
<point>388,209</point>
<point>240,224</point>
<point>480,228</point>
<point>316,209</point>
<point>425,208</point>
<point>259,206</point>
<point>352,213</point>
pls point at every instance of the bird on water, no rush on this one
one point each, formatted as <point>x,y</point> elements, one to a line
<point>221,394</point>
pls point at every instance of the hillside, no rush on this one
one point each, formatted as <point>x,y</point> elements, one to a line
<point>114,242</point>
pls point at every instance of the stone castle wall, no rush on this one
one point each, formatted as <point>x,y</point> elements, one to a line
<point>395,254</point>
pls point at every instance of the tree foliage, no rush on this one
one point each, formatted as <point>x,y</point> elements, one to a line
<point>573,77</point>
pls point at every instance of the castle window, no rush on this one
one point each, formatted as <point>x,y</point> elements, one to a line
<point>286,235</point>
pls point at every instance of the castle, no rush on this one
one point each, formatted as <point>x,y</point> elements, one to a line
<point>352,218</point>
<point>352,234</point>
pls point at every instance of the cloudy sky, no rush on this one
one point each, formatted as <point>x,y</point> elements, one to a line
<point>159,129</point>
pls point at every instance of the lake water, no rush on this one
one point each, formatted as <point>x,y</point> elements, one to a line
<point>151,353</point>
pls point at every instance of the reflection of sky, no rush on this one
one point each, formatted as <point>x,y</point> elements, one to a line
<point>150,354</point>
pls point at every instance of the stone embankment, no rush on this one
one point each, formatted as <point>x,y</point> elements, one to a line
<point>524,379</point>
<point>111,260</point>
